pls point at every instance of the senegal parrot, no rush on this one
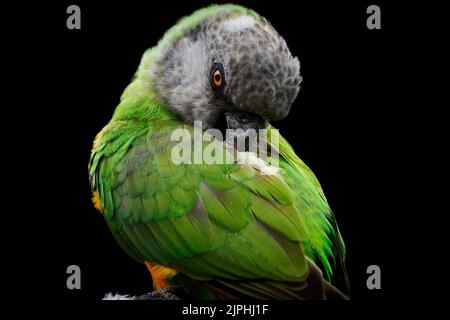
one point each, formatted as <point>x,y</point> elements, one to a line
<point>222,230</point>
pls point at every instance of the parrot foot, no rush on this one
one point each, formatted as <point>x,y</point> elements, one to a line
<point>167,293</point>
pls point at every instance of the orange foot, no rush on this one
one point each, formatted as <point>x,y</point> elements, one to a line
<point>160,274</point>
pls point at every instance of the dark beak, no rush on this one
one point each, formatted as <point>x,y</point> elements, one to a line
<point>244,133</point>
<point>244,120</point>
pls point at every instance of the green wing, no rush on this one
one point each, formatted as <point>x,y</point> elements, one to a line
<point>206,221</point>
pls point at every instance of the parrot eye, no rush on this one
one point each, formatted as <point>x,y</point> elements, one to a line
<point>217,79</point>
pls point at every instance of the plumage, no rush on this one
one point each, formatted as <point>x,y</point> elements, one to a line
<point>228,223</point>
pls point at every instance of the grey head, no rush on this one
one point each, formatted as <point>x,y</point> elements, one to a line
<point>230,63</point>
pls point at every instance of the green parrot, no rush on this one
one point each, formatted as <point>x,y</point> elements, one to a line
<point>216,230</point>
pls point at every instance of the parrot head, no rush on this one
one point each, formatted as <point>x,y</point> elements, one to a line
<point>232,64</point>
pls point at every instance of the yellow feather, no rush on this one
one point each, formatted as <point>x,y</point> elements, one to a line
<point>160,274</point>
<point>96,201</point>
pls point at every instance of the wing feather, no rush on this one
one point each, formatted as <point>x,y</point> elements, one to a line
<point>207,221</point>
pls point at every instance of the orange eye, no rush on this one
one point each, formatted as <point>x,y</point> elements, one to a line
<point>217,78</point>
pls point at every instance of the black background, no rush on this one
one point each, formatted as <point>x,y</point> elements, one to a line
<point>358,122</point>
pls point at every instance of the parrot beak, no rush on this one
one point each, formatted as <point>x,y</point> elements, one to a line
<point>244,120</point>
<point>245,127</point>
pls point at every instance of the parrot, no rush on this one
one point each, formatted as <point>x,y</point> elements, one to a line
<point>216,230</point>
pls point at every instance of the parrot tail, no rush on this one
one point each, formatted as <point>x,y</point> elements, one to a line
<point>315,287</point>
